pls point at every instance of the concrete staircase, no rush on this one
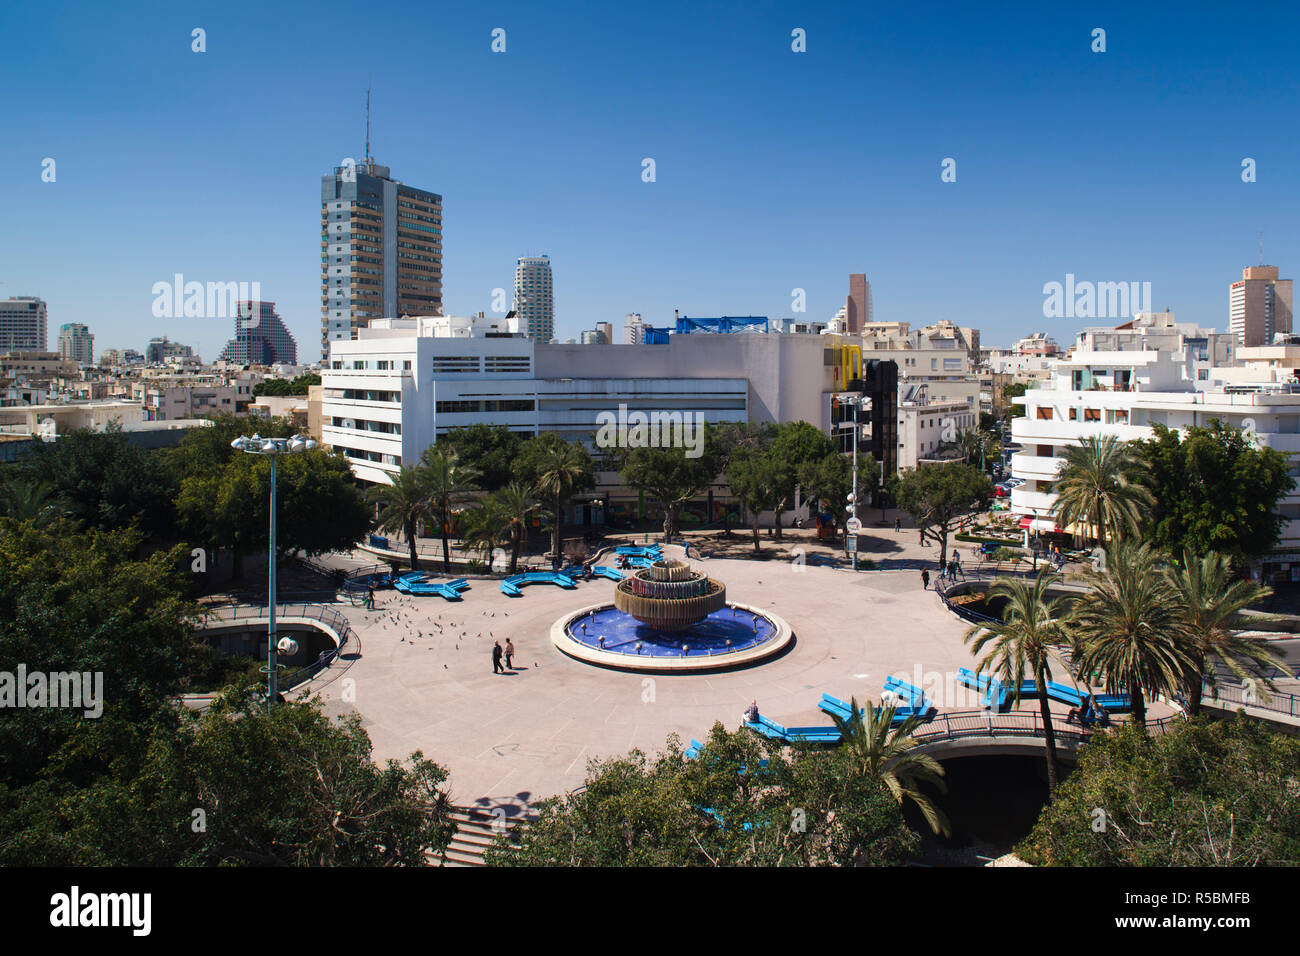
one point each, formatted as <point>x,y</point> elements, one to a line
<point>476,830</point>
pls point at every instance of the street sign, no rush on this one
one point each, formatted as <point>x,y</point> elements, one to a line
<point>851,543</point>
<point>854,525</point>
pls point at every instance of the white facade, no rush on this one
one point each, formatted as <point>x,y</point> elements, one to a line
<point>1124,393</point>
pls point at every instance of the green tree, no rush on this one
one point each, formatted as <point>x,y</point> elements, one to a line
<point>29,500</point>
<point>1102,485</point>
<point>755,478</point>
<point>1014,390</point>
<point>284,787</point>
<point>670,477</point>
<point>794,445</point>
<point>937,496</point>
<point>1214,489</point>
<point>733,439</point>
<point>284,387</point>
<point>449,482</point>
<point>1212,600</point>
<point>827,482</point>
<point>1130,629</point>
<point>404,505</point>
<point>106,481</point>
<point>879,751</point>
<point>743,801</point>
<point>490,449</point>
<point>1023,644</point>
<point>1204,793</point>
<point>556,470</point>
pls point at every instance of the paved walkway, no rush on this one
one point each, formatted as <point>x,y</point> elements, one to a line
<point>425,682</point>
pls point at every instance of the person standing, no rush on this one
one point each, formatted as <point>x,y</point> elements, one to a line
<point>370,597</point>
<point>496,658</point>
<point>925,579</point>
<point>510,654</point>
<point>898,524</point>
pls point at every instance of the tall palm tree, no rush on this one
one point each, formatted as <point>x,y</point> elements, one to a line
<point>449,483</point>
<point>1212,600</point>
<point>1131,630</point>
<point>888,754</point>
<point>1023,643</point>
<point>1102,485</point>
<point>563,469</point>
<point>405,505</point>
<point>483,528</point>
<point>515,506</point>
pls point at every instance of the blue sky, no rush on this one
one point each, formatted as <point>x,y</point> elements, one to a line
<point>775,170</point>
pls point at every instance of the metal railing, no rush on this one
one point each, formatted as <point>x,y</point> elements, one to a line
<point>1242,696</point>
<point>982,723</point>
<point>231,612</point>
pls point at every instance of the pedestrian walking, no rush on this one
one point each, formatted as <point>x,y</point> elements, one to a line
<point>370,597</point>
<point>510,653</point>
<point>925,579</point>
<point>496,658</point>
<point>898,524</point>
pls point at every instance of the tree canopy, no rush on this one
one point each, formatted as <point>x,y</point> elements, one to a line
<point>1215,490</point>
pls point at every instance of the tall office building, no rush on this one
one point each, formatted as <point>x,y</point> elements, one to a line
<point>23,322</point>
<point>1259,306</point>
<point>381,250</point>
<point>534,298</point>
<point>76,344</point>
<point>858,309</point>
<point>633,329</point>
<point>260,337</point>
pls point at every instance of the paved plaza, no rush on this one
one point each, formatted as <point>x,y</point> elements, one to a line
<point>424,679</point>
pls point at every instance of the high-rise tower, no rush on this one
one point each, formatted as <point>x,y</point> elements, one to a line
<point>1259,306</point>
<point>534,298</point>
<point>381,249</point>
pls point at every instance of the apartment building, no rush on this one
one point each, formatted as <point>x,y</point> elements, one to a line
<point>76,344</point>
<point>381,250</point>
<point>24,322</point>
<point>1259,306</point>
<point>1124,393</point>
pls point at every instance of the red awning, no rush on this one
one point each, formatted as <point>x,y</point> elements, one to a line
<point>1026,523</point>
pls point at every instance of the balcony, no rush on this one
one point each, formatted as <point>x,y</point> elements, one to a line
<point>1039,502</point>
<point>1041,467</point>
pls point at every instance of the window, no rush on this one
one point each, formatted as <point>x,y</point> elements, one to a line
<point>1044,413</point>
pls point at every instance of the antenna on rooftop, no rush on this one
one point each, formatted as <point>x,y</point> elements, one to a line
<point>368,160</point>
<point>1261,247</point>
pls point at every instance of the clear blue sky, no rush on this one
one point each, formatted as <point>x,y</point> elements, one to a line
<point>775,169</point>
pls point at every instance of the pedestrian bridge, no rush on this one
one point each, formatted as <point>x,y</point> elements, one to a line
<point>980,733</point>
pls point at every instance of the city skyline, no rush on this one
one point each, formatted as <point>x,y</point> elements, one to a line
<point>790,198</point>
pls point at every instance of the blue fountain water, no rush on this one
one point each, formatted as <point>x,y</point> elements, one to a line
<point>744,629</point>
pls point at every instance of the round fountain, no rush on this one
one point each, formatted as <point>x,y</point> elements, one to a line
<point>668,616</point>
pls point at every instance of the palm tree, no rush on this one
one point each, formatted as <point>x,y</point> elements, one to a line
<point>449,483</point>
<point>563,469</point>
<point>406,504</point>
<point>1024,642</point>
<point>1131,630</point>
<point>31,501</point>
<point>515,506</point>
<point>483,528</point>
<point>888,754</point>
<point>1211,601</point>
<point>1102,484</point>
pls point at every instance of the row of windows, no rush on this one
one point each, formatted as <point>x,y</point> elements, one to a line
<point>362,455</point>
<point>486,405</point>
<point>362,425</point>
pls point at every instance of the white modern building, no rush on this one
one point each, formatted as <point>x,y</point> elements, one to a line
<point>1124,393</point>
<point>76,344</point>
<point>402,383</point>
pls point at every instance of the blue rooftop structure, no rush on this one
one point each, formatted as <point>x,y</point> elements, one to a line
<point>723,325</point>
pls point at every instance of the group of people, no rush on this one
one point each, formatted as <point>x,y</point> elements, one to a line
<point>951,569</point>
<point>498,652</point>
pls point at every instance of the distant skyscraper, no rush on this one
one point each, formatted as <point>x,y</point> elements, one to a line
<point>607,332</point>
<point>260,337</point>
<point>381,250</point>
<point>163,351</point>
<point>534,298</point>
<point>1259,306</point>
<point>858,309</point>
<point>76,344</point>
<point>633,329</point>
<point>23,323</point>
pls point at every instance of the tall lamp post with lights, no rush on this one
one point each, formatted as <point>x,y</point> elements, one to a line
<point>272,448</point>
<point>857,401</point>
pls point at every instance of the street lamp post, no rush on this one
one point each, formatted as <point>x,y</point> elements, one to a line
<point>272,448</point>
<point>856,401</point>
